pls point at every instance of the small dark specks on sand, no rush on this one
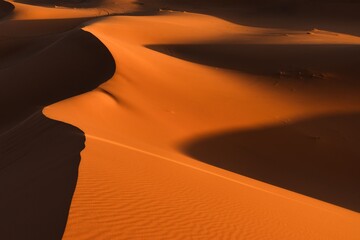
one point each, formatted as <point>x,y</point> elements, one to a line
<point>300,74</point>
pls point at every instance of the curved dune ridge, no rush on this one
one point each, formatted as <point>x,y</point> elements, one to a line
<point>39,157</point>
<point>168,136</point>
<point>71,45</point>
<point>5,8</point>
<point>136,183</point>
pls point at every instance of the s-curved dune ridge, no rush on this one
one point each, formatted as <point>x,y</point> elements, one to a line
<point>192,120</point>
<point>39,157</point>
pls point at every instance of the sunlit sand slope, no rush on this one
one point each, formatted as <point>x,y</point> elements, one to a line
<point>135,181</point>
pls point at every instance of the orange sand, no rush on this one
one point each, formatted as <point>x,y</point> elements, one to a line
<point>135,182</point>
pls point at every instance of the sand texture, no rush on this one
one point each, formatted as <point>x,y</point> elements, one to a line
<point>179,119</point>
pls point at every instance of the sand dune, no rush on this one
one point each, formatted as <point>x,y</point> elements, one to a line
<point>70,78</point>
<point>71,3</point>
<point>140,178</point>
<point>337,15</point>
<point>297,61</point>
<point>195,127</point>
<point>5,8</point>
<point>329,144</point>
<point>39,167</point>
<point>297,67</point>
<point>30,29</point>
<point>39,156</point>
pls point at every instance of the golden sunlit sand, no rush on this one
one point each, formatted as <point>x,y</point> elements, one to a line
<point>207,128</point>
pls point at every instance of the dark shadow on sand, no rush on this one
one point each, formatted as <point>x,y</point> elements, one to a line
<point>39,157</point>
<point>334,15</point>
<point>6,9</point>
<point>317,157</point>
<point>27,29</point>
<point>292,61</point>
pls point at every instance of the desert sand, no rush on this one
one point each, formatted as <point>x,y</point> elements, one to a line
<point>179,120</point>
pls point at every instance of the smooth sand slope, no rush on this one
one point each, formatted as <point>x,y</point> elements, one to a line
<point>134,173</point>
<point>207,129</point>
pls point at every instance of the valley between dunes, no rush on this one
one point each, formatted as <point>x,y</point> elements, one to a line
<point>189,124</point>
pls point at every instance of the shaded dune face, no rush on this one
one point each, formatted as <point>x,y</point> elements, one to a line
<point>304,7</point>
<point>64,3</point>
<point>5,8</point>
<point>337,15</point>
<point>14,29</point>
<point>313,64</point>
<point>39,162</point>
<point>316,157</point>
<point>15,50</point>
<point>268,59</point>
<point>49,76</point>
<point>39,157</point>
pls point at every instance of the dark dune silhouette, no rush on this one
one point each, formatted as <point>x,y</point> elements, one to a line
<point>39,161</point>
<point>39,157</point>
<point>15,50</point>
<point>5,8</point>
<point>34,86</point>
<point>317,157</point>
<point>15,29</point>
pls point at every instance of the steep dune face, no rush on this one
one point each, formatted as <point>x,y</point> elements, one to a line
<point>39,157</point>
<point>54,57</point>
<point>195,102</point>
<point>136,183</point>
<point>39,161</point>
<point>5,8</point>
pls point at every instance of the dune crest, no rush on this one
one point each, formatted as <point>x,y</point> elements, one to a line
<point>134,175</point>
<point>166,109</point>
<point>39,157</point>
